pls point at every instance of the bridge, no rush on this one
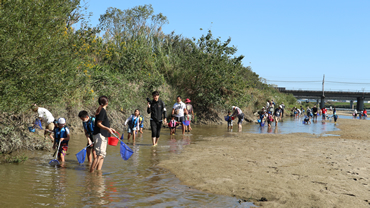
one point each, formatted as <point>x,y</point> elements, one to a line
<point>335,95</point>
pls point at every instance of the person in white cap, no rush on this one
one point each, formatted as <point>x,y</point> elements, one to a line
<point>61,135</point>
<point>238,112</point>
<point>277,114</point>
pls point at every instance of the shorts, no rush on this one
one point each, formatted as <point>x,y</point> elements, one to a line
<point>50,126</point>
<point>241,118</point>
<point>323,116</point>
<point>130,130</point>
<point>63,150</point>
<point>100,145</point>
<point>229,123</point>
<point>156,128</point>
<point>180,119</point>
<point>141,126</point>
<point>277,118</point>
<point>188,119</point>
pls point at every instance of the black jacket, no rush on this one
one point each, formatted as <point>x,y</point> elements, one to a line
<point>157,109</point>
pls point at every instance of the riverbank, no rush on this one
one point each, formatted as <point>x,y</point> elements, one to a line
<point>288,170</point>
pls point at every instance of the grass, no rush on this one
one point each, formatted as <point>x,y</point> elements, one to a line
<point>14,159</point>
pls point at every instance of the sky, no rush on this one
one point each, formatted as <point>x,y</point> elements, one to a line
<point>290,43</point>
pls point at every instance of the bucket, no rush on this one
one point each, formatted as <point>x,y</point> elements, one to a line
<point>113,141</point>
<point>31,129</point>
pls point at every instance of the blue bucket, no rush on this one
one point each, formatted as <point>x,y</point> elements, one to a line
<point>31,129</point>
<point>259,120</point>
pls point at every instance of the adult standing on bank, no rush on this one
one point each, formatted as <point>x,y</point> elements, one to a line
<point>45,116</point>
<point>179,110</point>
<point>101,133</point>
<point>157,111</point>
<point>189,108</point>
<point>238,112</point>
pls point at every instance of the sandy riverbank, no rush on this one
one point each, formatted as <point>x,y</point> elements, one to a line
<point>294,170</point>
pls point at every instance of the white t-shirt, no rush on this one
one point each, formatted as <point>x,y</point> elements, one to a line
<point>180,107</point>
<point>45,115</point>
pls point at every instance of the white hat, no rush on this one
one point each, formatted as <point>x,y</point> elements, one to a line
<point>280,106</point>
<point>61,121</point>
<point>233,107</point>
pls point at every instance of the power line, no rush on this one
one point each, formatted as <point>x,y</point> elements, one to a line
<point>289,81</point>
<point>319,82</point>
<point>346,82</point>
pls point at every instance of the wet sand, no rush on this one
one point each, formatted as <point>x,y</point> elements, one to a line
<point>289,170</point>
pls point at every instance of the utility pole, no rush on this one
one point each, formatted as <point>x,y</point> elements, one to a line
<point>322,104</point>
<point>323,83</point>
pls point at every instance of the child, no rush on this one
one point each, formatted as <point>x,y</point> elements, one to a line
<point>365,113</point>
<point>172,125</point>
<point>335,115</point>
<point>62,136</point>
<point>133,124</point>
<point>88,124</point>
<point>141,120</point>
<point>306,120</point>
<point>229,121</point>
<point>269,119</point>
<point>324,112</point>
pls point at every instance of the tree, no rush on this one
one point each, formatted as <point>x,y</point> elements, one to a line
<point>35,52</point>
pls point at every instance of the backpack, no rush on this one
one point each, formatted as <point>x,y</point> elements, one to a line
<point>89,125</point>
<point>133,122</point>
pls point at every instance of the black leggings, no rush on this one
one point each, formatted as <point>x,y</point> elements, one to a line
<point>156,128</point>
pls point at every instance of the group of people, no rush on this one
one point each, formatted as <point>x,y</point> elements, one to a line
<point>313,113</point>
<point>237,113</point>
<point>361,115</point>
<point>269,114</point>
<point>97,128</point>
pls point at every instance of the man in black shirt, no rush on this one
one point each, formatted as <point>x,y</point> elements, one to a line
<point>156,108</point>
<point>314,111</point>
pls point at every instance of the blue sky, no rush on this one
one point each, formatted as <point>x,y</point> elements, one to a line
<point>281,40</point>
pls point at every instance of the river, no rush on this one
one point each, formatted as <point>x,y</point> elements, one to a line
<point>138,182</point>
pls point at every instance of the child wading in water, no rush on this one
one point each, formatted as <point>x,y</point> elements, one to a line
<point>335,115</point>
<point>133,124</point>
<point>141,120</point>
<point>270,119</point>
<point>229,121</point>
<point>61,136</point>
<point>172,125</point>
<point>88,124</point>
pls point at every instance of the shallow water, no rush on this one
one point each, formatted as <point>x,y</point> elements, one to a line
<point>138,182</point>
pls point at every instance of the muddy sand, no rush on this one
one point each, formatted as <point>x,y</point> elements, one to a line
<point>288,170</point>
